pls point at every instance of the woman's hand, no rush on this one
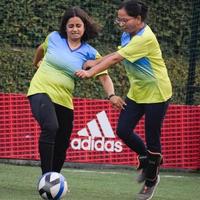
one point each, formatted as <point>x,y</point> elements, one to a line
<point>117,102</point>
<point>83,74</point>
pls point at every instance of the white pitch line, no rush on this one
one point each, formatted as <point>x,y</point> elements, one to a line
<point>173,176</point>
<point>113,173</point>
<point>91,171</point>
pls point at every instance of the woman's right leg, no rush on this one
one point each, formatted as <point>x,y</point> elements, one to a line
<point>44,112</point>
<point>128,120</point>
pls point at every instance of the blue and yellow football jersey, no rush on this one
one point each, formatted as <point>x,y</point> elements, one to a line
<point>56,74</point>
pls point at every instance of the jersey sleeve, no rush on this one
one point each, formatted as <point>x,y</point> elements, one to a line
<point>45,44</point>
<point>135,49</point>
<point>94,54</point>
<point>97,56</point>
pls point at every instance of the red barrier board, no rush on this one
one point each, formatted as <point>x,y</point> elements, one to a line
<point>94,138</point>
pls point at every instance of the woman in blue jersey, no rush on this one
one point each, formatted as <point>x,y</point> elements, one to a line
<point>50,92</point>
<point>149,93</point>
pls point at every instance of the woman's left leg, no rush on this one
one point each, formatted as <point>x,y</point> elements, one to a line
<point>154,116</point>
<point>65,120</point>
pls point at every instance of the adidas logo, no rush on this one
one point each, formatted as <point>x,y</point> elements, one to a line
<point>99,136</point>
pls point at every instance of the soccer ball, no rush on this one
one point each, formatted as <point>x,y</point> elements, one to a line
<point>52,186</point>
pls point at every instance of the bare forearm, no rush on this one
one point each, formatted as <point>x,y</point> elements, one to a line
<point>97,61</point>
<point>116,101</point>
<point>39,54</point>
<point>106,63</point>
<point>107,84</point>
<point>91,63</point>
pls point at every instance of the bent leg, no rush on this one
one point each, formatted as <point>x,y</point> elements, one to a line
<point>44,112</point>
<point>128,119</point>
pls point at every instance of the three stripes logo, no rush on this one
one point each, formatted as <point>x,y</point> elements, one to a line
<point>98,136</point>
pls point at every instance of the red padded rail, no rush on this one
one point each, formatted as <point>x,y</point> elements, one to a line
<point>19,133</point>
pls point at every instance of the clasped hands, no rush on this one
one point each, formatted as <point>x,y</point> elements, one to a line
<point>116,101</point>
<point>85,72</point>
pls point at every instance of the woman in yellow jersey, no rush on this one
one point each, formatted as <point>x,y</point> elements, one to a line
<point>149,93</point>
<point>50,93</point>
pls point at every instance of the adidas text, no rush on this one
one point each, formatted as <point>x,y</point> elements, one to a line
<point>96,144</point>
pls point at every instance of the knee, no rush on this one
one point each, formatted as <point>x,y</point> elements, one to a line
<point>50,128</point>
<point>48,132</point>
<point>122,131</point>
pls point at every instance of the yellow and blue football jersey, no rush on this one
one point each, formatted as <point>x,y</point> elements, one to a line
<point>145,67</point>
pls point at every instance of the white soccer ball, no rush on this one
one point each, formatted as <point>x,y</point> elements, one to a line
<point>52,186</point>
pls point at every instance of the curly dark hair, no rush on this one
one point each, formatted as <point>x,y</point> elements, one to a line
<point>91,28</point>
<point>135,8</point>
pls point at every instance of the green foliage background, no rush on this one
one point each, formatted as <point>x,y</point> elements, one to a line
<point>25,23</point>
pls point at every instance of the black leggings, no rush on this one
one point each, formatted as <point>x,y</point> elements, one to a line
<point>56,123</point>
<point>130,116</point>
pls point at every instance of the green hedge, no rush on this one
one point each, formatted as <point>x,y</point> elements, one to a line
<point>25,23</point>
